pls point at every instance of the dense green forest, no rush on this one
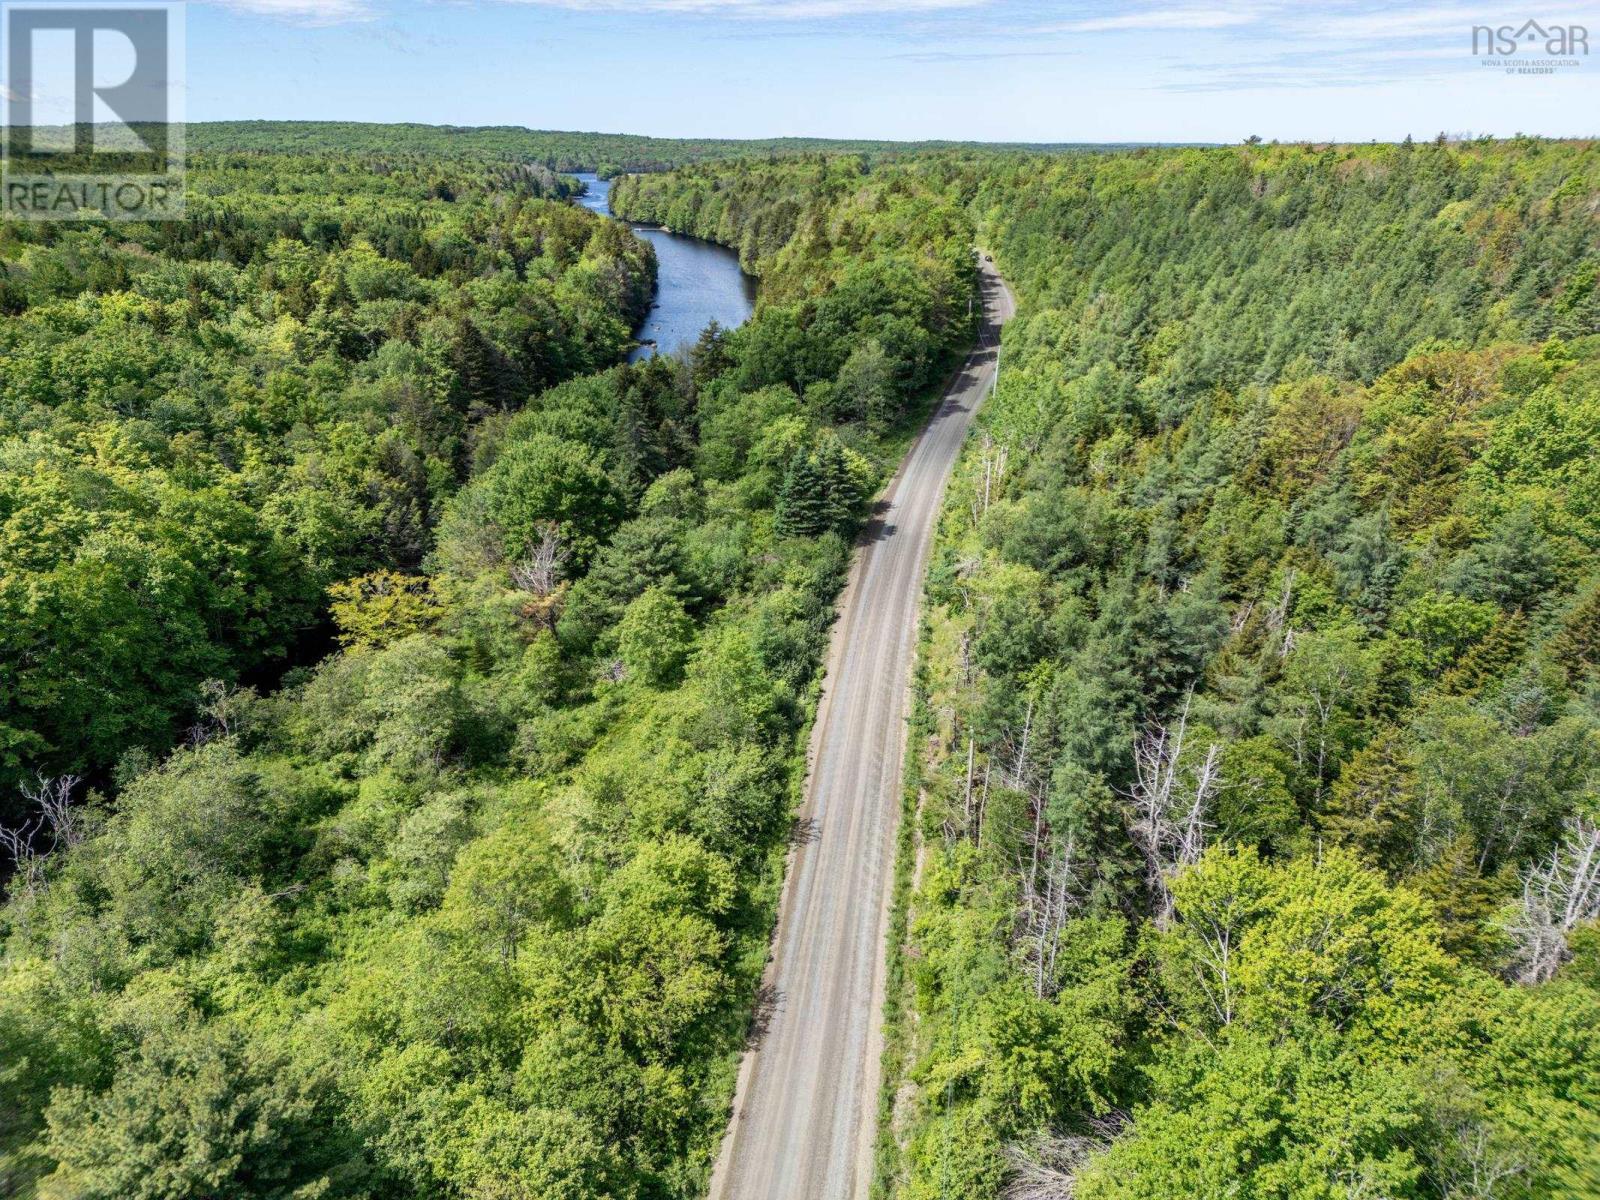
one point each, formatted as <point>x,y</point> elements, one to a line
<point>785,216</point>
<point>476,905</point>
<point>607,153</point>
<point>1258,840</point>
<point>1255,853</point>
<point>406,701</point>
<point>206,424</point>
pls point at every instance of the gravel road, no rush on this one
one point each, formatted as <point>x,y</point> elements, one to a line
<point>805,1109</point>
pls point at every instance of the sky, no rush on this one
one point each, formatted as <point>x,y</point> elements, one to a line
<point>991,70</point>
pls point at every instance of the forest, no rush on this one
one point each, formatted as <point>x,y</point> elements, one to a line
<point>403,698</point>
<point>1254,841</point>
<point>609,154</point>
<point>206,424</point>
<point>1258,827</point>
<point>403,701</point>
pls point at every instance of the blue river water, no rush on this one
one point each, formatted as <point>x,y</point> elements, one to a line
<point>696,282</point>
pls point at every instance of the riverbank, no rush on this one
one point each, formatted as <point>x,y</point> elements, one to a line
<point>697,282</point>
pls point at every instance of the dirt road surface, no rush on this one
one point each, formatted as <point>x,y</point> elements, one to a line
<point>805,1109</point>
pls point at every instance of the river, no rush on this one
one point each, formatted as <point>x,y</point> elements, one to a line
<point>696,282</point>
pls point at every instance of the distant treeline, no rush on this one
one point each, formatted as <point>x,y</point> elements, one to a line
<point>606,153</point>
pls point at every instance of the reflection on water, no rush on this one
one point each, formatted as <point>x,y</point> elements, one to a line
<point>696,282</point>
<point>598,197</point>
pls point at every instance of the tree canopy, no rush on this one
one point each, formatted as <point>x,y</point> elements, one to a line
<point>426,686</point>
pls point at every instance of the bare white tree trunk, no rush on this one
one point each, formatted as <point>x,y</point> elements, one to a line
<point>1155,764</point>
<point>27,865</point>
<point>1192,824</point>
<point>994,459</point>
<point>1046,912</point>
<point>1557,895</point>
<point>1278,616</point>
<point>1047,1167</point>
<point>54,823</point>
<point>966,804</point>
<point>540,570</point>
<point>1169,811</point>
<point>1020,763</point>
<point>222,707</point>
<point>1241,616</point>
<point>57,816</point>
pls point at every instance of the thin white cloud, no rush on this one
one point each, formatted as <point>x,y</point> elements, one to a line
<point>1159,19</point>
<point>961,56</point>
<point>1429,21</point>
<point>305,12</point>
<point>1289,23</point>
<point>1357,47</point>
<point>781,10</point>
<point>338,12</point>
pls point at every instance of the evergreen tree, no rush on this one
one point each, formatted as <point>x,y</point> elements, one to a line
<point>803,508</point>
<point>841,493</point>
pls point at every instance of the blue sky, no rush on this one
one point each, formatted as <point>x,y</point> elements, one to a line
<point>983,69</point>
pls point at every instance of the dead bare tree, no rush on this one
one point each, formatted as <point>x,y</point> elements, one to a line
<point>53,823</point>
<point>57,816</point>
<point>1019,772</point>
<point>969,665</point>
<point>1045,912</point>
<point>993,456</point>
<point>1015,761</point>
<point>1469,1155</point>
<point>1278,615</point>
<point>1047,1167</point>
<point>1241,616</point>
<point>1192,823</point>
<point>1044,909</point>
<point>1170,804</point>
<point>966,803</point>
<point>27,864</point>
<point>966,570</point>
<point>540,570</point>
<point>1558,894</point>
<point>983,802</point>
<point>223,707</point>
<point>539,573</point>
<point>1474,1163</point>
